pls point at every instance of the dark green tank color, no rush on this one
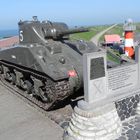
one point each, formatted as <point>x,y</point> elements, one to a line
<point>46,63</point>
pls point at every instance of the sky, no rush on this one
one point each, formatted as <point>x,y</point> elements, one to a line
<point>72,12</point>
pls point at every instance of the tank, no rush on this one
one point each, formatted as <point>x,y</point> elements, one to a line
<point>46,64</point>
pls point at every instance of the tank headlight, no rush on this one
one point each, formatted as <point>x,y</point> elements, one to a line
<point>62,60</point>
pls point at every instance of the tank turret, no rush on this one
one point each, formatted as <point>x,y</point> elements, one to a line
<point>38,32</point>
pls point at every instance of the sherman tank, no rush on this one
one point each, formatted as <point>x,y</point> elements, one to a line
<point>45,64</point>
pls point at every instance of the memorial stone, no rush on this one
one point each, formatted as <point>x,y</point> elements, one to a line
<point>95,85</point>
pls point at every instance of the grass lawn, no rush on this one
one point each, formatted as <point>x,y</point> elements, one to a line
<point>88,35</point>
<point>96,29</point>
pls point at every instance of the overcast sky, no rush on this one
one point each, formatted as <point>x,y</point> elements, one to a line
<point>73,12</point>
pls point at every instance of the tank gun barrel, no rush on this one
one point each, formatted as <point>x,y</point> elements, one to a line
<point>72,31</point>
<point>57,34</point>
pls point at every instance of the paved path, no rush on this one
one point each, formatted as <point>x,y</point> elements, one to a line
<point>131,129</point>
<point>20,121</point>
<point>96,38</point>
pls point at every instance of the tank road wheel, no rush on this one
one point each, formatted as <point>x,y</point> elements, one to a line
<point>42,94</point>
<point>22,83</point>
<point>40,89</point>
<point>29,86</point>
<point>26,85</point>
<point>7,76</point>
<point>13,78</point>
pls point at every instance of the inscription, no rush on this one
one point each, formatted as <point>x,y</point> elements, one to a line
<point>123,77</point>
<point>97,68</point>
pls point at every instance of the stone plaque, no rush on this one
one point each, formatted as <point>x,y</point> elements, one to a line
<point>95,85</point>
<point>123,78</point>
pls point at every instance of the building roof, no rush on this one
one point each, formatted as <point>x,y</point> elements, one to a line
<point>6,42</point>
<point>114,38</point>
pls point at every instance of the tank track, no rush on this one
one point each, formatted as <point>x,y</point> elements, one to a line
<point>57,90</point>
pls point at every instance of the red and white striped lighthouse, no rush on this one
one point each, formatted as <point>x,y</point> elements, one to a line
<point>129,28</point>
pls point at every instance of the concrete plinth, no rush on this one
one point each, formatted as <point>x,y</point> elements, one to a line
<point>102,123</point>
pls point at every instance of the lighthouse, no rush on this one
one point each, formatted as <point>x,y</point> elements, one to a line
<point>129,29</point>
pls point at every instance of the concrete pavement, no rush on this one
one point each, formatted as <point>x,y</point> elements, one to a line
<point>20,121</point>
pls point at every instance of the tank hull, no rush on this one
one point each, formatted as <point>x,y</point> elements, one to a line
<point>38,67</point>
